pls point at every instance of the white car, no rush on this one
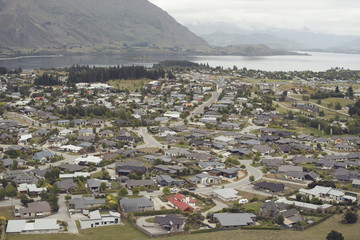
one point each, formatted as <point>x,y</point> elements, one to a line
<point>243,201</point>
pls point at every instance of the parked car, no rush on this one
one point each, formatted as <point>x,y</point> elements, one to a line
<point>243,201</point>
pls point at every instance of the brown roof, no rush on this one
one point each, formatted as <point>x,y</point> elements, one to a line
<point>35,207</point>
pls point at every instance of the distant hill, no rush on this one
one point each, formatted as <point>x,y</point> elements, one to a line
<point>47,26</point>
<point>251,50</point>
<point>226,39</point>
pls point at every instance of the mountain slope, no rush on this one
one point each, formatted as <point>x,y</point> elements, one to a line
<point>226,39</point>
<point>67,24</point>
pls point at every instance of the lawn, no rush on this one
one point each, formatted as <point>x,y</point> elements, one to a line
<point>350,232</point>
<point>6,212</point>
<point>132,85</point>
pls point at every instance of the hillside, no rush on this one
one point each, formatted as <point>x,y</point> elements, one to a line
<point>52,26</point>
<point>226,39</point>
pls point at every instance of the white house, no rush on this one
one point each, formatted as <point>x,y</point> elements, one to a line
<point>65,132</point>
<point>24,139</point>
<point>74,175</point>
<point>98,220</point>
<point>28,226</point>
<point>172,114</point>
<point>325,193</point>
<point>88,160</point>
<point>227,194</point>
<point>71,148</point>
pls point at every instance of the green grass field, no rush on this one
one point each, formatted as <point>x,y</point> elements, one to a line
<point>132,85</point>
<point>318,232</point>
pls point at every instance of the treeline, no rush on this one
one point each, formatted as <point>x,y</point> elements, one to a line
<point>178,63</point>
<point>79,74</point>
<point>320,124</point>
<point>4,70</point>
<point>99,111</point>
<point>323,95</point>
<point>47,80</point>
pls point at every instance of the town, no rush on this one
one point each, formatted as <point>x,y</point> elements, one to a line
<point>177,149</point>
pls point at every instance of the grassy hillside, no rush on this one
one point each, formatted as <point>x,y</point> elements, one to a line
<point>90,25</point>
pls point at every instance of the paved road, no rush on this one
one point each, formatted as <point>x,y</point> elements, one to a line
<point>250,128</point>
<point>200,109</point>
<point>150,141</point>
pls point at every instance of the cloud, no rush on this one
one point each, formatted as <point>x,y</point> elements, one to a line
<point>327,16</point>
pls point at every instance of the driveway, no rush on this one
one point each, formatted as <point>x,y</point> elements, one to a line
<point>141,222</point>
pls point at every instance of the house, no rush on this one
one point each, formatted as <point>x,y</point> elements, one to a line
<point>66,185</point>
<point>106,134</point>
<point>66,132</point>
<point>227,194</point>
<point>136,204</point>
<point>178,152</point>
<point>84,203</point>
<point>344,147</point>
<point>166,180</point>
<point>95,185</point>
<point>208,166</point>
<point>43,156</point>
<point>356,183</point>
<point>98,220</point>
<point>8,162</point>
<point>179,201</point>
<point>291,217</point>
<point>170,222</point>
<point>263,150</point>
<point>234,220</point>
<point>74,175</point>
<point>131,183</point>
<point>124,168</point>
<point>71,148</point>
<point>88,160</point>
<point>37,226</point>
<point>31,189</point>
<point>289,168</point>
<point>271,209</point>
<point>71,168</point>
<point>204,179</point>
<point>304,206</point>
<point>24,139</point>
<point>272,163</point>
<point>35,209</point>
<point>229,172</point>
<point>325,193</point>
<point>86,133</point>
<point>20,177</point>
<point>269,186</point>
<point>294,175</point>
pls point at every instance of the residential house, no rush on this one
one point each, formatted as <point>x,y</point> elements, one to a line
<point>66,185</point>
<point>325,193</point>
<point>136,204</point>
<point>166,180</point>
<point>84,203</point>
<point>271,209</point>
<point>170,222</point>
<point>131,183</point>
<point>234,220</point>
<point>124,168</point>
<point>98,220</point>
<point>36,226</point>
<point>95,185</point>
<point>34,209</point>
<point>204,179</point>
<point>269,186</point>
<point>226,194</point>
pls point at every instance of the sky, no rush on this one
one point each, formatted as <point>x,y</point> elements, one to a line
<point>340,17</point>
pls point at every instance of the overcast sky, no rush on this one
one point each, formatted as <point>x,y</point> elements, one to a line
<point>325,16</point>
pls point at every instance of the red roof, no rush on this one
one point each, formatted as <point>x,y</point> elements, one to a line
<point>179,196</point>
<point>181,205</point>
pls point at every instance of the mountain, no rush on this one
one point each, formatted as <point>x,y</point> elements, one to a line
<point>301,39</point>
<point>226,39</point>
<point>250,50</point>
<point>34,26</point>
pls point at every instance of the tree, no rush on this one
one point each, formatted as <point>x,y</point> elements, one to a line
<point>350,217</point>
<point>166,191</point>
<point>10,190</point>
<point>123,192</point>
<point>25,199</point>
<point>337,106</point>
<point>334,235</point>
<point>136,191</point>
<point>14,165</point>
<point>251,178</point>
<point>105,175</point>
<point>337,89</point>
<point>280,219</point>
<point>350,92</point>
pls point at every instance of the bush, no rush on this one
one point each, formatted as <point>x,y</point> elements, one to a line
<point>334,235</point>
<point>350,217</point>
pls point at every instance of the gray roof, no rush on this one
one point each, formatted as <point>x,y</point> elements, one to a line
<point>235,219</point>
<point>86,202</point>
<point>66,184</point>
<point>96,183</point>
<point>169,220</point>
<point>133,204</point>
<point>36,207</point>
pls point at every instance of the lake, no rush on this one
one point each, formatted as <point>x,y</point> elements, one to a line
<point>318,61</point>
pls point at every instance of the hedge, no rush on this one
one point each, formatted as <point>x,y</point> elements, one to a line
<point>157,212</point>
